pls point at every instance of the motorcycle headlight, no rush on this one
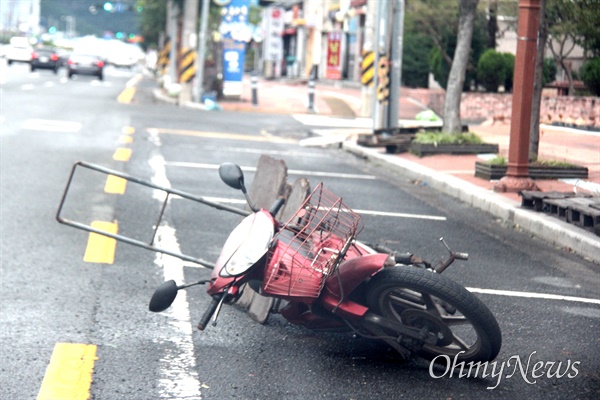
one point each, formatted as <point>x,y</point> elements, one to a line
<point>249,242</point>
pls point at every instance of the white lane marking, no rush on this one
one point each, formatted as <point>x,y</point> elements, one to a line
<point>400,215</point>
<point>531,295</point>
<point>27,86</point>
<point>291,171</point>
<point>363,212</point>
<point>290,153</point>
<point>52,125</point>
<point>178,369</point>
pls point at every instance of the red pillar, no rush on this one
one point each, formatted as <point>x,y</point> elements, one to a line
<point>517,174</point>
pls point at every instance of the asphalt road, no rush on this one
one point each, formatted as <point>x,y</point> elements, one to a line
<point>51,295</point>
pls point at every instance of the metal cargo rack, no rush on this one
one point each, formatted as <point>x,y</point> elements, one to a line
<point>150,244</point>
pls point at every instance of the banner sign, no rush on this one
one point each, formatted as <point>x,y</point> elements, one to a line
<point>235,32</point>
<point>273,18</point>
<point>334,56</point>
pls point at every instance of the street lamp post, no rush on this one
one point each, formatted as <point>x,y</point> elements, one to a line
<point>517,174</point>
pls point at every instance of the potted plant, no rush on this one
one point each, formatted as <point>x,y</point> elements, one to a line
<point>428,143</point>
<point>542,169</point>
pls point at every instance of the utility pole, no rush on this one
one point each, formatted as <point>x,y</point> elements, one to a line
<point>172,15</point>
<point>396,56</point>
<point>202,49</point>
<point>369,45</point>
<point>189,41</point>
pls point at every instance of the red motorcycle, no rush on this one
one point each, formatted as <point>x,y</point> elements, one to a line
<point>327,280</point>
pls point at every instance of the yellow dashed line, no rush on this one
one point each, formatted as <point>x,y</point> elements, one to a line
<point>101,249</point>
<point>125,139</point>
<point>122,154</point>
<point>126,95</point>
<point>69,373</point>
<point>115,185</point>
<point>128,130</point>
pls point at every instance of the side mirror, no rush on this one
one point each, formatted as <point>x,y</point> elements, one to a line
<point>164,296</point>
<point>232,175</point>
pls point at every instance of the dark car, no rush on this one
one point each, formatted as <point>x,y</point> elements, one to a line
<point>44,59</point>
<point>85,64</point>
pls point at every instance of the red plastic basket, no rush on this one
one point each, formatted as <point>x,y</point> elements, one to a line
<point>309,245</point>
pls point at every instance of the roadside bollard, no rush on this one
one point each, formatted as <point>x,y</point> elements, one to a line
<point>254,86</point>
<point>311,96</point>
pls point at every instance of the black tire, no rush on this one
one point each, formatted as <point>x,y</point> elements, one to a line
<point>443,307</point>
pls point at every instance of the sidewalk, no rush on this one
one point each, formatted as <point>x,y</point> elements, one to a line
<point>451,174</point>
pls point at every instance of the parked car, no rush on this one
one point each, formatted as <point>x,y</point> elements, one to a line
<point>45,59</point>
<point>19,50</point>
<point>85,64</point>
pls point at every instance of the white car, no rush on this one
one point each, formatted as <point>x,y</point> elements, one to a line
<point>19,50</point>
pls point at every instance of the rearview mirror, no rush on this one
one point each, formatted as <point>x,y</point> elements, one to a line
<point>232,175</point>
<point>164,296</point>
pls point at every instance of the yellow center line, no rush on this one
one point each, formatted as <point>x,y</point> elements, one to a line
<point>126,95</point>
<point>128,130</point>
<point>122,154</point>
<point>220,135</point>
<point>115,185</point>
<point>125,139</point>
<point>101,249</point>
<point>69,373</point>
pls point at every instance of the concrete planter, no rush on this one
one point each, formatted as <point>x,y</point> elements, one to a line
<point>493,172</point>
<point>425,149</point>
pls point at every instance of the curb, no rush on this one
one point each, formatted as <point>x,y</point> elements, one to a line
<point>545,227</point>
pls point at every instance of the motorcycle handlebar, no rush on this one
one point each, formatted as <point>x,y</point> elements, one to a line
<point>209,312</point>
<point>279,202</point>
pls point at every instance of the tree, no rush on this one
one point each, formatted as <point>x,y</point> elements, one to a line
<point>456,79</point>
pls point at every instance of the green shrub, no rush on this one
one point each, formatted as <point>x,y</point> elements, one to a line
<point>590,74</point>
<point>509,70</point>
<point>549,71</point>
<point>491,70</point>
<point>447,138</point>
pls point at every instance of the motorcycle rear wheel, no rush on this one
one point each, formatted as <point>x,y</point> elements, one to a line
<point>464,326</point>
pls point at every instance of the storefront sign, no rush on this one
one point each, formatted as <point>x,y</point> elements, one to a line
<point>236,33</point>
<point>334,56</point>
<point>274,23</point>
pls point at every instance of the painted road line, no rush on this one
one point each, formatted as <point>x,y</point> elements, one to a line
<point>291,171</point>
<point>101,249</point>
<point>400,215</point>
<point>127,94</point>
<point>69,373</point>
<point>52,125</point>
<point>122,154</point>
<point>128,130</point>
<point>531,295</point>
<point>115,185</point>
<point>124,139</point>
<point>220,135</point>
<point>177,366</point>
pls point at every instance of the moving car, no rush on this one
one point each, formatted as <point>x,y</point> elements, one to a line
<point>19,50</point>
<point>85,64</point>
<point>45,59</point>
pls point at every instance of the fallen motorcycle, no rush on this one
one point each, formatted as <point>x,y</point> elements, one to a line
<point>327,280</point>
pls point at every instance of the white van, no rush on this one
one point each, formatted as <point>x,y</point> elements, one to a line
<point>19,50</point>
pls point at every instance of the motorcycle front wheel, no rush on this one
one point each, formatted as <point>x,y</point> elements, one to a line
<point>459,323</point>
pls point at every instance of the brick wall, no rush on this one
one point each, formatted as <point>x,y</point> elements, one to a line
<point>483,106</point>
